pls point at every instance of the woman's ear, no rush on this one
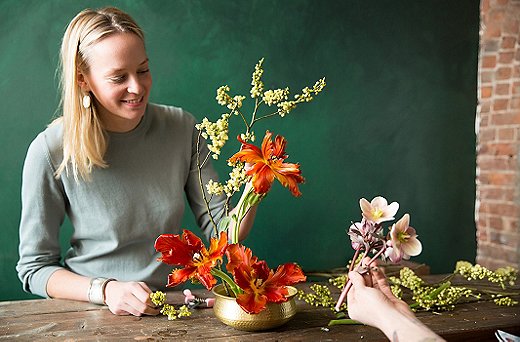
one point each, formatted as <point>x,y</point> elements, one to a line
<point>83,82</point>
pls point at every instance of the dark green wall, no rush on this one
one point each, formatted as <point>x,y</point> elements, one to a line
<point>396,118</point>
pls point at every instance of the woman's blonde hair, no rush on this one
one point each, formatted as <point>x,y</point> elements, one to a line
<point>84,139</point>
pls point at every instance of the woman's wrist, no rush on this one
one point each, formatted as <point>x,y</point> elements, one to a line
<point>96,291</point>
<point>399,326</point>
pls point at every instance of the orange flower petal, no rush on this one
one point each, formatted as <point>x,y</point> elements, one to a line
<point>251,302</point>
<point>268,164</point>
<point>238,254</point>
<point>173,250</point>
<point>179,276</point>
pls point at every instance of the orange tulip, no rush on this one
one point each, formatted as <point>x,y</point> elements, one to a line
<point>191,253</point>
<point>261,285</point>
<point>258,282</point>
<point>268,164</point>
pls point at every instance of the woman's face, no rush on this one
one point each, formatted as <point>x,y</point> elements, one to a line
<point>120,79</point>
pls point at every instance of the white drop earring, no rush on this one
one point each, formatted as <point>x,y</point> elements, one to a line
<point>86,101</point>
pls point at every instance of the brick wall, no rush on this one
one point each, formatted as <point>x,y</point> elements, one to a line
<point>498,135</point>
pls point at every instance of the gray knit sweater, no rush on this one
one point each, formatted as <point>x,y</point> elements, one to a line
<point>119,213</point>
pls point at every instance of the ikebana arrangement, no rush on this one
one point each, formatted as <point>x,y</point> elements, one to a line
<point>250,281</point>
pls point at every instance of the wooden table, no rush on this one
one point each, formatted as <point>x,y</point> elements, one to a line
<point>75,321</point>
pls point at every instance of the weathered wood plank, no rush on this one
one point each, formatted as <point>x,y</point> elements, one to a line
<point>69,320</point>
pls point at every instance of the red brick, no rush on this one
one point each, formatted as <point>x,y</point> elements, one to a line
<point>511,224</point>
<point>504,209</point>
<point>495,17</point>
<point>493,31</point>
<point>492,251</point>
<point>504,73</point>
<point>497,193</point>
<point>500,104</point>
<point>502,2</point>
<point>505,239</point>
<point>489,62</point>
<point>487,76</point>
<point>486,92</point>
<point>517,55</point>
<point>506,134</point>
<point>506,57</point>
<point>508,42</point>
<point>497,251</point>
<point>482,236</point>
<point>487,134</point>
<point>516,68</point>
<point>497,178</point>
<point>515,102</point>
<point>502,89</point>
<point>510,25</point>
<point>496,163</point>
<point>484,6</point>
<point>490,44</point>
<point>505,118</point>
<point>512,258</point>
<point>485,107</point>
<point>495,223</point>
<point>492,193</point>
<point>516,88</point>
<point>505,149</point>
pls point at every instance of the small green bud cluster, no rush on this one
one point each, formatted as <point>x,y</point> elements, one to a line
<point>159,299</point>
<point>237,177</point>
<point>321,296</point>
<point>256,82</point>
<point>504,301</point>
<point>408,279</point>
<point>397,291</point>
<point>272,97</point>
<point>217,132</point>
<point>501,276</point>
<point>430,298</point>
<point>173,313</point>
<point>307,95</point>
<point>340,281</point>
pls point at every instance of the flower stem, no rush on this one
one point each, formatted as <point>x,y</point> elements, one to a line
<point>225,278</point>
<point>266,116</point>
<point>343,321</point>
<point>356,254</point>
<point>199,169</point>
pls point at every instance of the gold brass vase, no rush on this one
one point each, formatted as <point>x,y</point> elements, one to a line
<point>230,313</point>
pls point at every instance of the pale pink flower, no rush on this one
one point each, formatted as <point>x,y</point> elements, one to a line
<point>378,210</point>
<point>404,242</point>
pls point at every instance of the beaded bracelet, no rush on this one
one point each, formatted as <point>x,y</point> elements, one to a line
<point>96,291</point>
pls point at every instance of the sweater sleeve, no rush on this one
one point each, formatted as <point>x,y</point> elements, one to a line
<point>43,212</point>
<point>193,189</point>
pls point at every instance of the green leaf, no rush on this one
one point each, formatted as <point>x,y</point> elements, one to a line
<point>223,224</point>
<point>345,321</point>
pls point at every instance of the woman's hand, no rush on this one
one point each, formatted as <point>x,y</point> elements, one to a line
<point>371,301</point>
<point>129,298</point>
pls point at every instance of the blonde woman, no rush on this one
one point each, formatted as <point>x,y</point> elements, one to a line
<point>117,166</point>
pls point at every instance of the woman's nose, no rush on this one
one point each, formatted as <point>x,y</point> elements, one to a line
<point>134,86</point>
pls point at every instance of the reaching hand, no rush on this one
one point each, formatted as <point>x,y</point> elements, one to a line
<point>371,301</point>
<point>129,298</point>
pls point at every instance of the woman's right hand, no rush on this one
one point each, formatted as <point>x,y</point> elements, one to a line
<point>129,298</point>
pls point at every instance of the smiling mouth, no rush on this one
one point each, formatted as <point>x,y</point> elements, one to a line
<point>134,101</point>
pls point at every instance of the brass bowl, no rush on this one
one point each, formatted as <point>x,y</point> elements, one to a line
<point>230,313</point>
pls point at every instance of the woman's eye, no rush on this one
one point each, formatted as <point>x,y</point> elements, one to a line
<point>117,79</point>
<point>143,71</point>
